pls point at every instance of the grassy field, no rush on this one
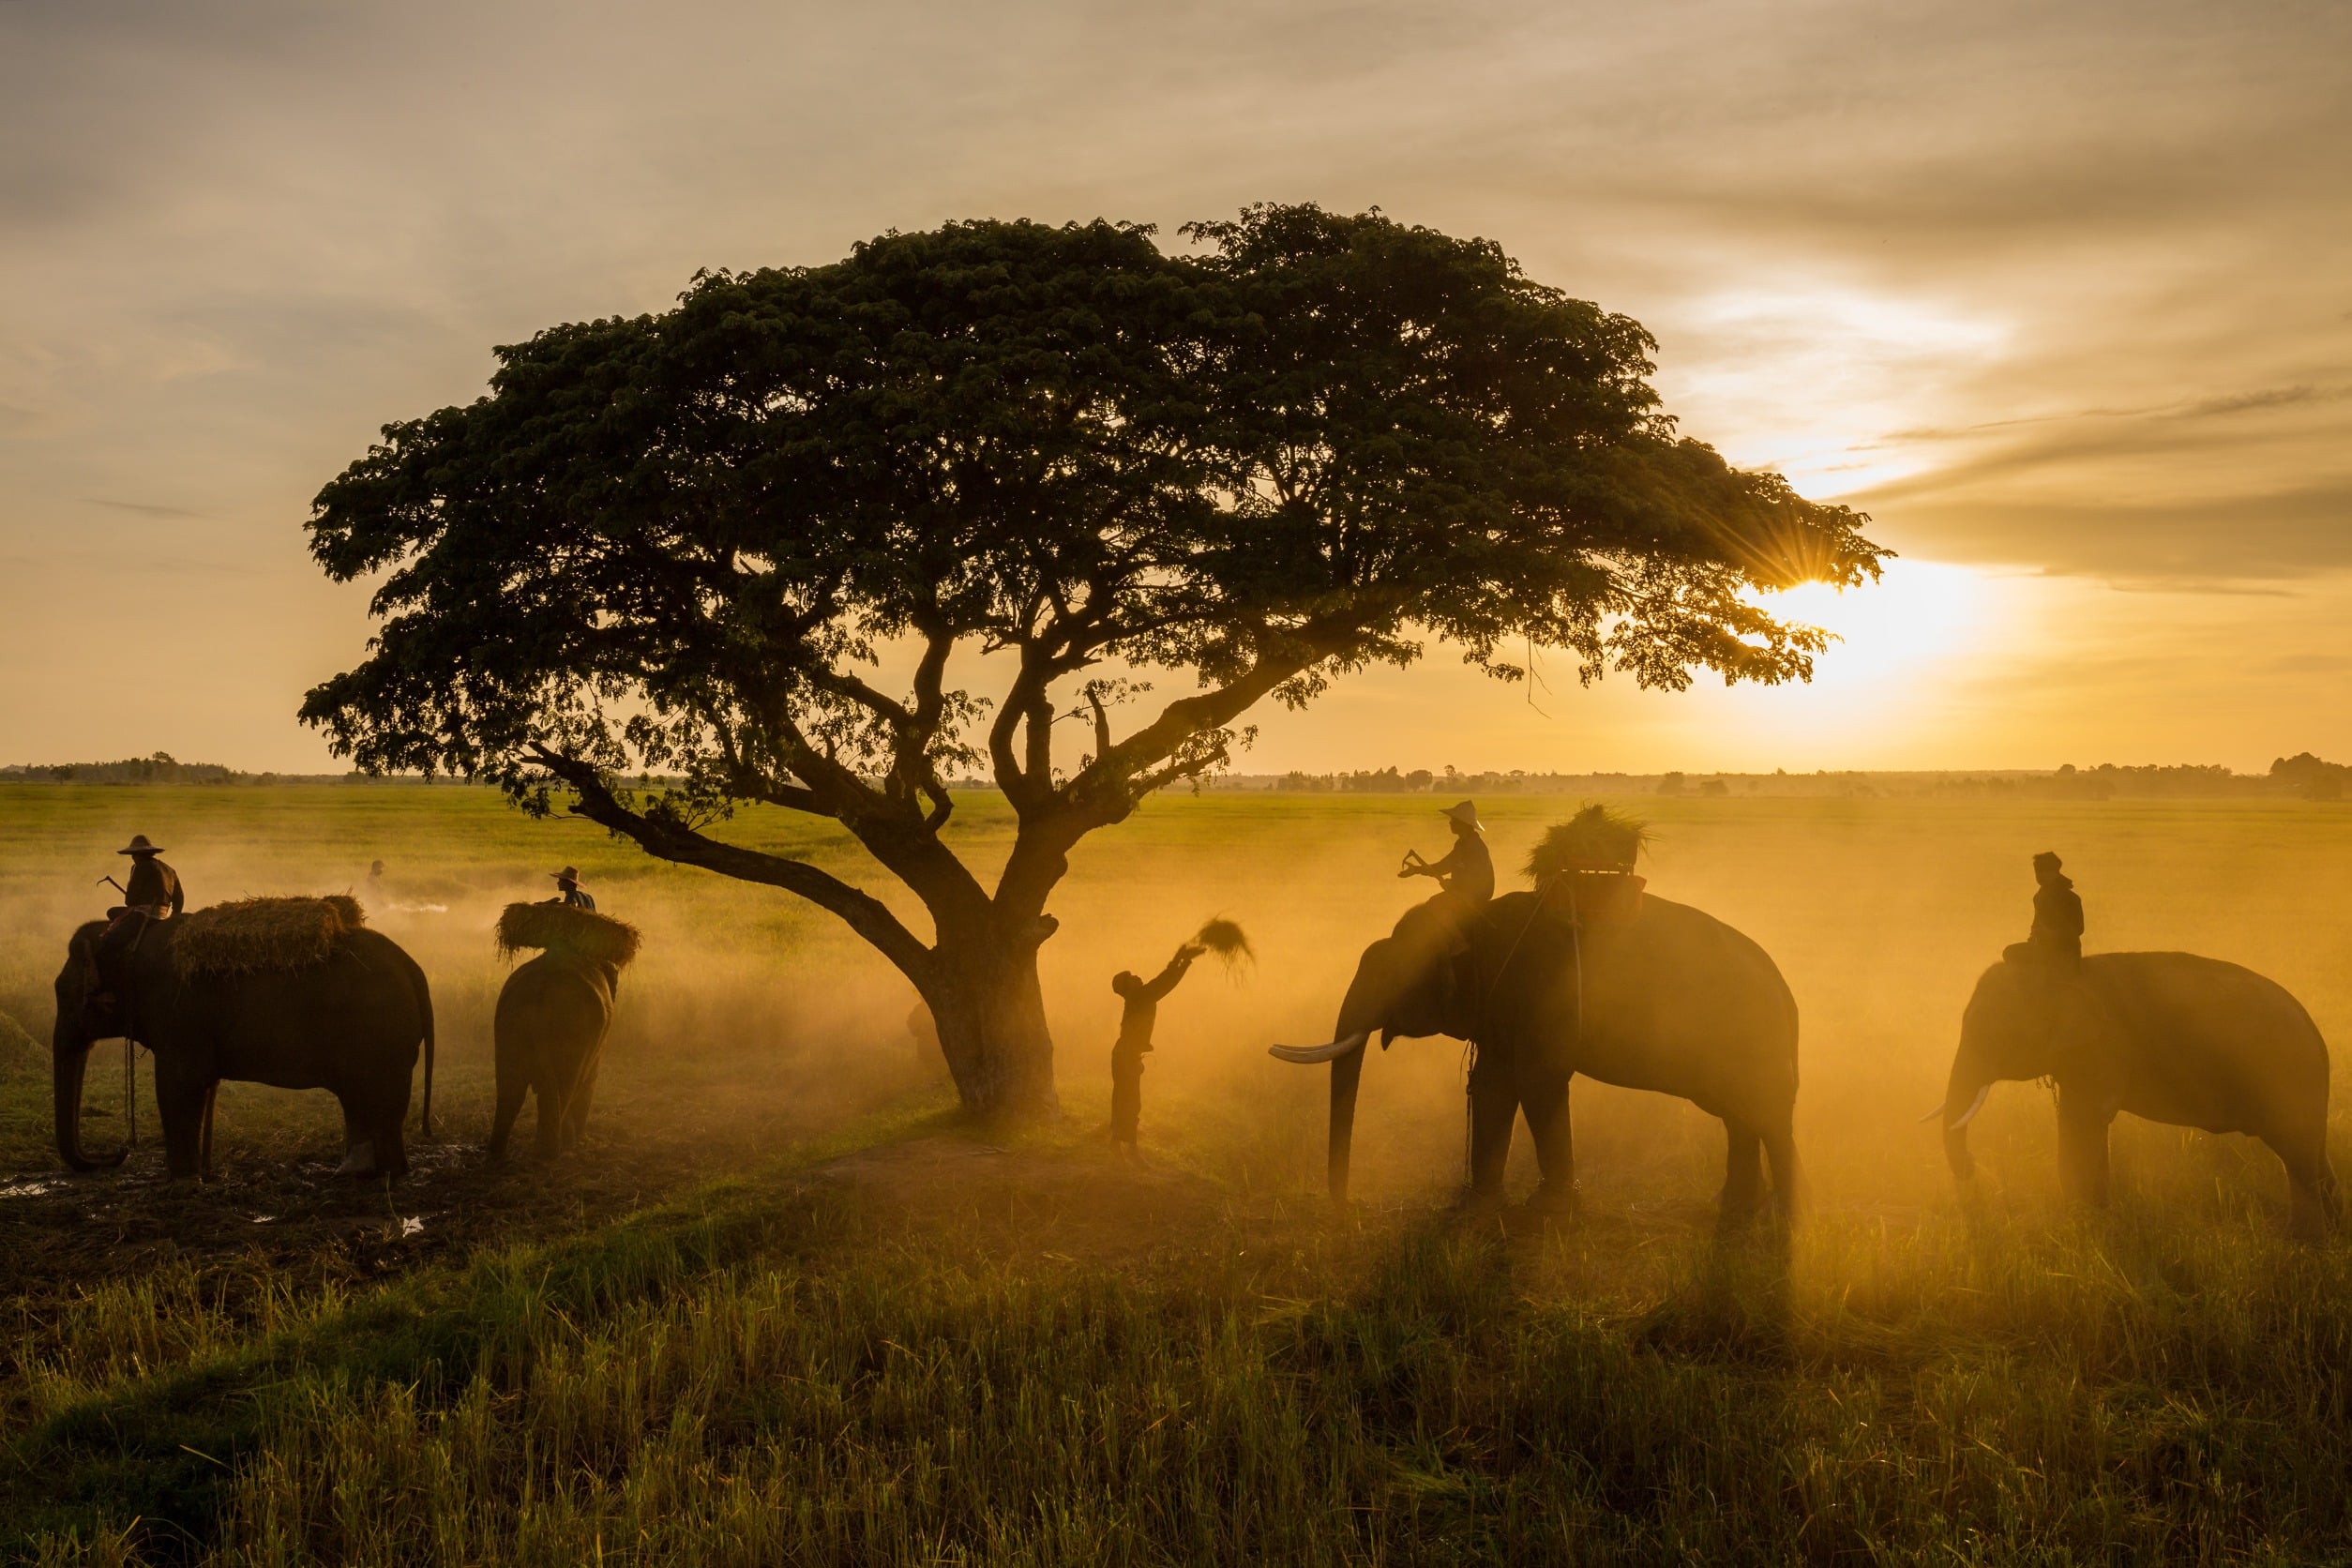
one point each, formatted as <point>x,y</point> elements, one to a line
<point>781,1308</point>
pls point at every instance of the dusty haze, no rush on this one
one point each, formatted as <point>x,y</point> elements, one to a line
<point>751,1019</point>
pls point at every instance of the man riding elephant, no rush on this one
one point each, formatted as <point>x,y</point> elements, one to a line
<point>555,1015</point>
<point>1600,981</point>
<point>568,892</point>
<point>155,887</point>
<point>2170,1037</point>
<point>2056,937</point>
<point>1467,870</point>
<point>298,993</point>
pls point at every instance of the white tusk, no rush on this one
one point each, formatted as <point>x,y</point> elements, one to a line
<point>1309,1055</point>
<point>1974,1105</point>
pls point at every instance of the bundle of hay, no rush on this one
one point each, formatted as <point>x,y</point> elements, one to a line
<point>1227,940</point>
<point>567,932</point>
<point>256,936</point>
<point>1596,839</point>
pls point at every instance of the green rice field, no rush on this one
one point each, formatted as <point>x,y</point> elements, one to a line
<point>784,1307</point>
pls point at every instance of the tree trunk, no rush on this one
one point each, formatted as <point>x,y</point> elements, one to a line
<point>990,1011</point>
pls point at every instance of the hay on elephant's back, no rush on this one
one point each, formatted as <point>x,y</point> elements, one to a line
<point>257,936</point>
<point>568,932</point>
<point>1594,839</point>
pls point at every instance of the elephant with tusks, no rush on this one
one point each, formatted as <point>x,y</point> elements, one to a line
<point>2171,1037</point>
<point>1656,996</point>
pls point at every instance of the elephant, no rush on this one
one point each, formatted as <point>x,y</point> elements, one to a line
<point>1660,996</point>
<point>552,1019</point>
<point>351,1024</point>
<point>2172,1037</point>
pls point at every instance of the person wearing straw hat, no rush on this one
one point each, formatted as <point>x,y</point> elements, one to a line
<point>155,887</point>
<point>568,891</point>
<point>1467,869</point>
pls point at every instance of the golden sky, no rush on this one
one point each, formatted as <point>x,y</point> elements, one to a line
<point>2061,295</point>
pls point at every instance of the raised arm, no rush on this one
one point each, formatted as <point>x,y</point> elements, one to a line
<point>1165,980</point>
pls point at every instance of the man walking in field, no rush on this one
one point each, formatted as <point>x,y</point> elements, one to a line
<point>1468,868</point>
<point>569,893</point>
<point>155,887</point>
<point>1141,1012</point>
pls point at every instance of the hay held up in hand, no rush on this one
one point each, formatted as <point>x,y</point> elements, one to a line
<point>1596,839</point>
<point>1227,940</point>
<point>567,932</point>
<point>256,936</point>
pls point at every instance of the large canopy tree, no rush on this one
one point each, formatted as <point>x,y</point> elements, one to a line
<point>688,543</point>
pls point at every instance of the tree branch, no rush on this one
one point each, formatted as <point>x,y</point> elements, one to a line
<point>865,915</point>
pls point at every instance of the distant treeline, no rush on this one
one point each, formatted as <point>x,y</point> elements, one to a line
<point>160,768</point>
<point>2304,776</point>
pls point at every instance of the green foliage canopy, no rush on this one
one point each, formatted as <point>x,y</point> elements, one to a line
<point>687,542</point>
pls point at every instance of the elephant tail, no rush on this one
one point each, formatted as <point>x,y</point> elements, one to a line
<point>424,1006</point>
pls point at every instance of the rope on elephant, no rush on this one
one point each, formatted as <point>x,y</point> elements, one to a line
<point>255,936</point>
<point>567,932</point>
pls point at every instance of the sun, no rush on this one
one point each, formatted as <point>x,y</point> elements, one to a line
<point>1918,615</point>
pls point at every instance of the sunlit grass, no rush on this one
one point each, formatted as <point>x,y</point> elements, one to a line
<point>774,1373</point>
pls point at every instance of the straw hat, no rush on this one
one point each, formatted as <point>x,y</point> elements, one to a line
<point>567,874</point>
<point>138,844</point>
<point>1465,814</point>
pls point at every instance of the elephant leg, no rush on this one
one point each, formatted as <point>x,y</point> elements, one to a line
<point>1548,1123</point>
<point>390,1137</point>
<point>204,1151</point>
<point>359,1143</point>
<point>1494,1109</point>
<point>2083,1148</point>
<point>179,1104</point>
<point>2311,1185</point>
<point>1780,1147</point>
<point>512,1087</point>
<point>552,1102</point>
<point>584,1094</point>
<point>1743,1176</point>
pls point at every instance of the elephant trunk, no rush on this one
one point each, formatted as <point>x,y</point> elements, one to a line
<point>1347,1073</point>
<point>71,1061</point>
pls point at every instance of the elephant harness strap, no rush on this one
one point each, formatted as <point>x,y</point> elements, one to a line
<point>129,1015</point>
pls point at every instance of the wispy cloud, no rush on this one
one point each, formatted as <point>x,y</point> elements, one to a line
<point>146,508</point>
<point>2053,286</point>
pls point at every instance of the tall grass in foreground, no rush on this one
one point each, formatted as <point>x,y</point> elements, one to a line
<point>770,1376</point>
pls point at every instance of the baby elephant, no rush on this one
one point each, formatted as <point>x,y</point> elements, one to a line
<point>2169,1036</point>
<point>554,1016</point>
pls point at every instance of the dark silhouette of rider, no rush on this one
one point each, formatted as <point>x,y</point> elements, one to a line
<point>569,893</point>
<point>155,887</point>
<point>1467,869</point>
<point>1136,1021</point>
<point>2056,937</point>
